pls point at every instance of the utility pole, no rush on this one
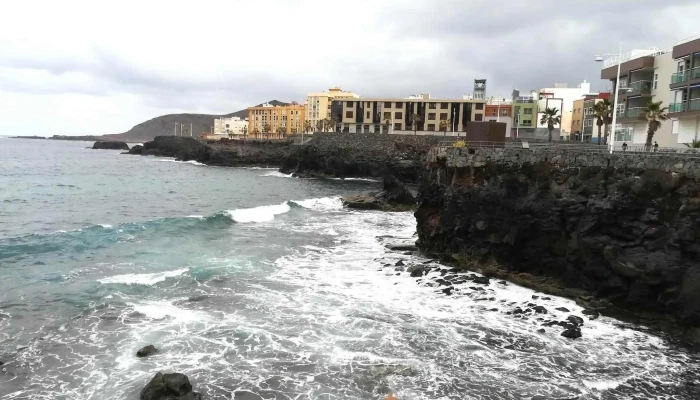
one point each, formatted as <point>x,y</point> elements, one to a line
<point>190,129</point>
<point>176,129</point>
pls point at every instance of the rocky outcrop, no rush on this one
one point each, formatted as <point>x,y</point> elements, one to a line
<point>618,239</point>
<point>394,197</point>
<point>360,155</point>
<point>173,386</point>
<point>146,351</point>
<point>230,154</point>
<point>101,145</point>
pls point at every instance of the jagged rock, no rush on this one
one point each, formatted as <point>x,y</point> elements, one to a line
<point>483,280</point>
<point>417,271</point>
<point>592,314</point>
<point>575,320</point>
<point>394,197</point>
<point>173,386</point>
<point>518,310</point>
<point>399,263</point>
<point>541,330</point>
<point>104,145</point>
<point>448,291</point>
<point>540,310</point>
<point>562,309</point>
<point>137,150</point>
<point>572,333</point>
<point>146,351</point>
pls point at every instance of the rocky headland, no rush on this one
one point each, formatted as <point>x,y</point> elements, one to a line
<point>395,196</point>
<point>102,145</point>
<point>619,233</point>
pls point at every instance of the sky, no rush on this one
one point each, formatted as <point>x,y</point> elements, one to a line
<point>78,67</point>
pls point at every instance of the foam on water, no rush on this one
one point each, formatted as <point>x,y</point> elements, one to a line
<point>277,174</point>
<point>192,162</point>
<point>321,204</point>
<point>258,214</point>
<point>143,279</point>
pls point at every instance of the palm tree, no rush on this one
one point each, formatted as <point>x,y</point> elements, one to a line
<point>245,133</point>
<point>654,113</point>
<point>256,132</point>
<point>695,144</point>
<point>332,123</point>
<point>281,131</point>
<point>416,119</point>
<point>266,128</point>
<point>601,113</point>
<point>230,133</point>
<point>550,117</point>
<point>308,126</point>
<point>387,122</point>
<point>444,123</point>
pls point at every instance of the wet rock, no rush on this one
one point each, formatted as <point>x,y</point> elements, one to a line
<point>169,386</point>
<point>493,309</point>
<point>541,330</point>
<point>399,263</point>
<point>562,309</point>
<point>482,280</point>
<point>416,271</point>
<point>535,297</point>
<point>592,314</point>
<point>576,320</point>
<point>443,282</point>
<point>517,310</point>
<point>448,291</point>
<point>503,282</point>
<point>399,269</point>
<point>572,333</point>
<point>146,351</point>
<point>394,197</point>
<point>540,310</point>
<point>546,298</point>
<point>402,247</point>
<point>104,145</point>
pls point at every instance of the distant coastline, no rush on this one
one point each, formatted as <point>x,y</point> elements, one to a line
<point>89,138</point>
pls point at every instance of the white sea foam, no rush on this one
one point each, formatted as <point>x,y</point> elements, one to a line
<point>165,309</point>
<point>321,204</point>
<point>357,179</point>
<point>193,162</point>
<point>106,226</point>
<point>143,279</point>
<point>277,174</point>
<point>258,214</point>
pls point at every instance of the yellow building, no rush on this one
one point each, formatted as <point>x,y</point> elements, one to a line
<point>318,105</point>
<point>268,121</point>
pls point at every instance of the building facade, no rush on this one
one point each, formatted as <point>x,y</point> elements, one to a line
<point>644,76</point>
<point>233,125</point>
<point>318,105</point>
<point>577,120</point>
<point>500,112</point>
<point>561,97</point>
<point>685,91</point>
<point>524,113</point>
<point>268,121</point>
<point>391,115</point>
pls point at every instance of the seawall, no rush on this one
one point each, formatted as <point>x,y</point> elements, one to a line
<point>620,233</point>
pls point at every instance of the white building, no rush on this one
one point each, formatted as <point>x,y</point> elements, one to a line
<point>232,125</point>
<point>562,97</point>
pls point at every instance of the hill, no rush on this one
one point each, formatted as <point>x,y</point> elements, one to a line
<point>165,125</point>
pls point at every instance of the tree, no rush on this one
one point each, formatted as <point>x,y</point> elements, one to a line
<point>230,133</point>
<point>245,132</point>
<point>308,126</point>
<point>256,132</point>
<point>695,144</point>
<point>266,128</point>
<point>654,113</point>
<point>416,119</point>
<point>281,131</point>
<point>550,117</point>
<point>319,125</point>
<point>602,111</point>
<point>387,122</point>
<point>444,123</point>
<point>332,123</point>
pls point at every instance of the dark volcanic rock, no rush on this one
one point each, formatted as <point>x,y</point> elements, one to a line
<point>399,263</point>
<point>575,320</point>
<point>394,197</point>
<point>540,310</point>
<point>572,333</point>
<point>101,145</point>
<point>629,236</point>
<point>592,314</point>
<point>562,309</point>
<point>173,386</point>
<point>138,149</point>
<point>146,351</point>
<point>481,280</point>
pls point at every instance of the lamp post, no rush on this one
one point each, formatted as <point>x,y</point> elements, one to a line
<point>617,91</point>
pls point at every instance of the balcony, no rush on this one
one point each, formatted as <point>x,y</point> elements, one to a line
<point>679,77</point>
<point>686,106</point>
<point>640,86</point>
<point>682,79</point>
<point>636,113</point>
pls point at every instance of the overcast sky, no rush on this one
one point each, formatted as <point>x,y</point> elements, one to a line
<point>94,67</point>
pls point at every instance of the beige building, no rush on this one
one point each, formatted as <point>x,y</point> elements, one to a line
<point>268,121</point>
<point>233,125</point>
<point>318,105</point>
<point>390,115</point>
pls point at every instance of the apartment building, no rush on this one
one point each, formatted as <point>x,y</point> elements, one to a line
<point>684,108</point>
<point>561,97</point>
<point>645,75</point>
<point>500,110</point>
<point>275,121</point>
<point>524,114</point>
<point>232,125</point>
<point>389,115</point>
<point>577,120</point>
<point>318,104</point>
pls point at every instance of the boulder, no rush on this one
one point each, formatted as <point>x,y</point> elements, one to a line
<point>146,351</point>
<point>138,149</point>
<point>562,309</point>
<point>394,197</point>
<point>577,321</point>
<point>572,333</point>
<point>105,145</point>
<point>592,314</point>
<point>481,280</point>
<point>173,386</point>
<point>540,310</point>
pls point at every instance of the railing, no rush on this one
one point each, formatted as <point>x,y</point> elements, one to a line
<point>677,107</point>
<point>679,77</point>
<point>644,86</point>
<point>635,112</point>
<point>695,73</point>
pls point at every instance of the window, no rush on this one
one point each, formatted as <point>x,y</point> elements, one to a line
<point>443,106</point>
<point>368,114</point>
<point>431,127</point>
<point>431,115</point>
<point>358,128</point>
<point>387,104</point>
<point>504,112</point>
<point>656,78</point>
<point>387,115</point>
<point>443,116</point>
<point>478,117</point>
<point>399,104</point>
<point>479,106</point>
<point>432,106</point>
<point>348,114</point>
<point>674,126</point>
<point>527,111</point>
<point>349,104</point>
<point>398,115</point>
<point>527,122</point>
<point>397,126</point>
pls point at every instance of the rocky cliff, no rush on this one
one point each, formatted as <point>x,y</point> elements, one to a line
<point>361,155</point>
<point>621,233</point>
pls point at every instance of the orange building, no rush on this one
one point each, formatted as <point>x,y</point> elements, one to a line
<point>493,110</point>
<point>275,121</point>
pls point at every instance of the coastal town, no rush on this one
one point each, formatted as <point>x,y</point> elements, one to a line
<point>659,88</point>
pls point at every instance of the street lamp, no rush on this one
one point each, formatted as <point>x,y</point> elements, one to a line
<point>599,58</point>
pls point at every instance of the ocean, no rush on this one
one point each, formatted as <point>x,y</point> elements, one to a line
<point>250,282</point>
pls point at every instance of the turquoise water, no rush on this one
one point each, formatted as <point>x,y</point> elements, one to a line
<point>247,279</point>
